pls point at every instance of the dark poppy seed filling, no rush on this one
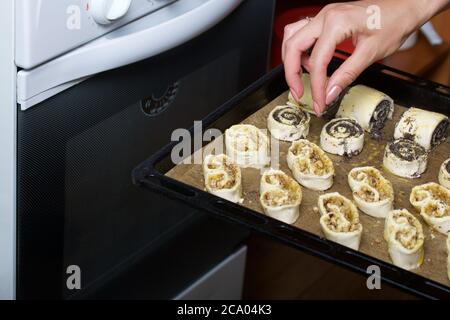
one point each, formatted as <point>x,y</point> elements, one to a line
<point>289,116</point>
<point>344,128</point>
<point>447,167</point>
<point>406,149</point>
<point>440,133</point>
<point>379,117</point>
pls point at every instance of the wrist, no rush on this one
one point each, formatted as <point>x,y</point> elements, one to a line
<point>427,9</point>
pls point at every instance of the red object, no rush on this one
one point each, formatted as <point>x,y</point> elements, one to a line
<point>286,15</point>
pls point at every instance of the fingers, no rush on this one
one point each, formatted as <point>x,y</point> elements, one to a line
<point>334,32</point>
<point>306,61</point>
<point>295,47</point>
<point>289,31</point>
<point>362,57</point>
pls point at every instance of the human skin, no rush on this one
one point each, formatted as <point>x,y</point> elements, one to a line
<point>338,22</point>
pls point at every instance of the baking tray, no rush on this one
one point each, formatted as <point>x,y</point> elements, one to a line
<point>183,182</point>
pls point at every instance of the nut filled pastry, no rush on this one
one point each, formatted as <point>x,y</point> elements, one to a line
<point>288,123</point>
<point>404,235</point>
<point>310,165</point>
<point>340,220</point>
<point>424,127</point>
<point>223,177</point>
<point>372,192</point>
<point>405,158</point>
<point>433,202</point>
<point>280,196</point>
<point>369,107</point>
<point>342,136</point>
<point>444,174</point>
<point>248,146</point>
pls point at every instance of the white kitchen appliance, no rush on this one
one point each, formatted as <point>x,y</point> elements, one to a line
<point>81,75</point>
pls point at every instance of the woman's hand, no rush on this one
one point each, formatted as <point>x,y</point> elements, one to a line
<point>338,22</point>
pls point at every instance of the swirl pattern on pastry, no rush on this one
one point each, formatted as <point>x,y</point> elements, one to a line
<point>426,128</point>
<point>340,220</point>
<point>288,123</point>
<point>433,202</point>
<point>404,235</point>
<point>444,174</point>
<point>280,196</point>
<point>369,107</point>
<point>310,165</point>
<point>223,177</point>
<point>405,158</point>
<point>248,146</point>
<point>372,192</point>
<point>342,136</point>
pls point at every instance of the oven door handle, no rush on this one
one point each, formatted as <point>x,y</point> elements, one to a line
<point>146,37</point>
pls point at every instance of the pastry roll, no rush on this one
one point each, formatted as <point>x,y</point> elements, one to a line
<point>424,127</point>
<point>372,192</point>
<point>340,220</point>
<point>310,166</point>
<point>404,235</point>
<point>433,202</point>
<point>288,123</point>
<point>306,101</point>
<point>405,158</point>
<point>248,146</point>
<point>223,177</point>
<point>369,107</point>
<point>444,174</point>
<point>280,196</point>
<point>424,193</point>
<point>342,136</point>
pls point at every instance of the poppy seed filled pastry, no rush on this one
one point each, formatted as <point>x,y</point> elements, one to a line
<point>372,192</point>
<point>223,177</point>
<point>433,202</point>
<point>404,235</point>
<point>306,102</point>
<point>280,196</point>
<point>444,174</point>
<point>340,220</point>
<point>342,136</point>
<point>310,165</point>
<point>369,107</point>
<point>288,123</point>
<point>426,128</point>
<point>248,146</point>
<point>405,158</point>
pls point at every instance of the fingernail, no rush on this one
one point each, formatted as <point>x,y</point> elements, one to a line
<point>333,94</point>
<point>316,108</point>
<point>294,94</point>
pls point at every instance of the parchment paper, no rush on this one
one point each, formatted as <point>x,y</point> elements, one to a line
<point>372,242</point>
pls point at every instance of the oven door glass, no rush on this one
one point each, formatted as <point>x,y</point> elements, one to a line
<point>78,211</point>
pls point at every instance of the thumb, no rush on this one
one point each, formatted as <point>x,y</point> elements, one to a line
<point>348,72</point>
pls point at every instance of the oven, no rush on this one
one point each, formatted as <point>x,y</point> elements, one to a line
<point>93,87</point>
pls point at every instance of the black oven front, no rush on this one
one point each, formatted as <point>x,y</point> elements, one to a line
<point>77,206</point>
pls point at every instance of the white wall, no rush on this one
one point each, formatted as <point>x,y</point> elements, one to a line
<point>7,151</point>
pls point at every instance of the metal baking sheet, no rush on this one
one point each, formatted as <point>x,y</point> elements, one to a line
<point>184,183</point>
<point>372,242</point>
